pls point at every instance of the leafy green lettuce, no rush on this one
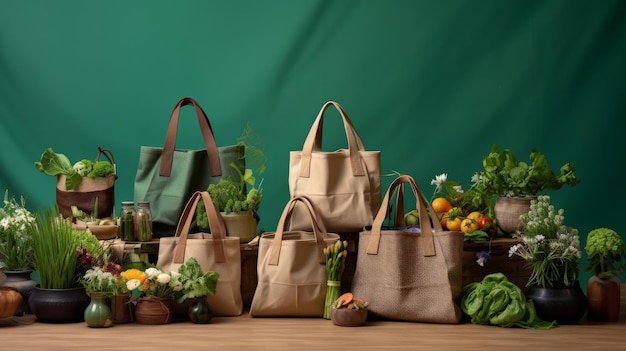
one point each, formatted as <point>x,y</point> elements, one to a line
<point>497,301</point>
<point>54,164</point>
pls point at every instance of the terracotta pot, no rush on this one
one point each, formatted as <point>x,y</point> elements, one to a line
<point>347,317</point>
<point>122,309</point>
<point>507,211</point>
<point>603,299</point>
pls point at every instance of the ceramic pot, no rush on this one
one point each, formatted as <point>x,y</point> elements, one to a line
<point>98,314</point>
<point>347,317</point>
<point>59,305</point>
<point>603,299</point>
<point>563,304</point>
<point>154,310</point>
<point>242,225</point>
<point>21,281</point>
<point>200,312</point>
<point>507,211</point>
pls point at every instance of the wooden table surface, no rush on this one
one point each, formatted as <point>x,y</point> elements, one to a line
<point>246,333</point>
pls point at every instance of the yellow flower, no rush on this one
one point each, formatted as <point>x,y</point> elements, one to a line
<point>133,273</point>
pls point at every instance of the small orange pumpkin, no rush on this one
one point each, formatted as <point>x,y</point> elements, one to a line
<point>10,301</point>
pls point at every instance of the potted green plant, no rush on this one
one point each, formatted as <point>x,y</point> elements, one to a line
<point>238,200</point>
<point>16,247</point>
<point>196,286</point>
<point>62,255</point>
<point>552,251</point>
<point>508,184</point>
<point>606,256</point>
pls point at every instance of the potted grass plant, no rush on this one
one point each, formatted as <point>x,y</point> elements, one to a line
<point>58,297</point>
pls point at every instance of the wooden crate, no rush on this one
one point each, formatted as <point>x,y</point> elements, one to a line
<point>513,267</point>
<point>249,280</point>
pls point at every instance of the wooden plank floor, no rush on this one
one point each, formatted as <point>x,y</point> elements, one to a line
<point>246,333</point>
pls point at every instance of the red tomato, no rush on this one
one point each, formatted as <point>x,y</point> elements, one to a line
<point>486,225</point>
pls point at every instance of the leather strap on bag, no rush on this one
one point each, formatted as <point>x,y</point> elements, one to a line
<point>319,229</point>
<point>313,142</point>
<point>428,240</point>
<point>207,135</point>
<point>218,229</point>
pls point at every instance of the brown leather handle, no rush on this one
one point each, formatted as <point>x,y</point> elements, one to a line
<point>218,228</point>
<point>313,142</point>
<point>319,229</point>
<point>428,240</point>
<point>207,135</point>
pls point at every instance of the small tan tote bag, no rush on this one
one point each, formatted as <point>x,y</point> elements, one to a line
<point>344,185</point>
<point>215,252</point>
<point>291,268</point>
<point>410,275</point>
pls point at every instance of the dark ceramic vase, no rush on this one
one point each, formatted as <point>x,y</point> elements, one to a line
<point>200,311</point>
<point>563,304</point>
<point>59,305</point>
<point>21,281</point>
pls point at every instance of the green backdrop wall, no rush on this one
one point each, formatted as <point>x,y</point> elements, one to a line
<point>432,84</point>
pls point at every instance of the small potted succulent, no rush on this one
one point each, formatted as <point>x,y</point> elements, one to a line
<point>606,255</point>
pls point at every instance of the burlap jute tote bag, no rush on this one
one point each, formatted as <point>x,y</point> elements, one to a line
<point>214,251</point>
<point>410,274</point>
<point>344,184</point>
<point>291,267</point>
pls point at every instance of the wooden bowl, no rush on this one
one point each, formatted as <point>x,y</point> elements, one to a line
<point>104,231</point>
<point>347,317</point>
